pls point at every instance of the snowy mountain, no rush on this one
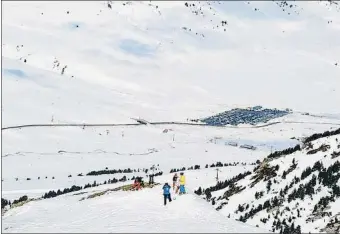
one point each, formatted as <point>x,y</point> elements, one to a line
<point>96,94</point>
<point>294,190</point>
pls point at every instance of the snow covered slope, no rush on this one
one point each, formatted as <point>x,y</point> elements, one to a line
<point>143,212</point>
<point>109,62</point>
<point>94,63</point>
<point>287,189</point>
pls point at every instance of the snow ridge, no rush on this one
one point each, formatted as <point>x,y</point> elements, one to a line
<point>291,191</point>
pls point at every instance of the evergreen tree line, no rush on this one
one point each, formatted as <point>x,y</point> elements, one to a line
<point>277,224</point>
<point>104,172</point>
<point>323,203</point>
<point>155,174</point>
<point>221,185</point>
<point>267,205</point>
<point>322,148</point>
<point>53,193</point>
<point>21,199</point>
<point>5,202</point>
<point>318,166</point>
<point>196,167</point>
<point>284,152</point>
<point>217,164</point>
<point>75,188</point>
<point>328,178</point>
<point>109,172</point>
<point>116,171</point>
<point>291,229</point>
<point>284,226</point>
<point>321,135</point>
<point>303,190</point>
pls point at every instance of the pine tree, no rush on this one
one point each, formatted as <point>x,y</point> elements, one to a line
<point>269,184</point>
<point>298,230</point>
<point>286,230</point>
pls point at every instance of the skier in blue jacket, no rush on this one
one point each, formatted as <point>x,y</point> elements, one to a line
<point>166,193</point>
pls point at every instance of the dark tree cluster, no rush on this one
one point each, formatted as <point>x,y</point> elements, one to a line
<point>285,6</point>
<point>305,173</point>
<point>318,166</point>
<point>234,164</point>
<point>5,202</point>
<point>323,203</point>
<point>264,172</point>
<point>290,169</point>
<point>208,194</point>
<point>303,190</point>
<point>198,191</point>
<point>221,185</point>
<point>335,154</point>
<point>109,172</point>
<point>268,204</point>
<point>264,220</point>
<point>269,184</point>
<point>21,199</point>
<point>322,148</point>
<point>217,164</point>
<point>53,193</point>
<point>321,135</point>
<point>258,195</point>
<point>330,176</point>
<point>75,188</point>
<point>177,169</point>
<point>284,152</point>
<point>221,206</point>
<point>240,208</point>
<point>290,230</point>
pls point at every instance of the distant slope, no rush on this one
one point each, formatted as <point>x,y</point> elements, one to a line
<point>288,189</point>
<point>88,62</point>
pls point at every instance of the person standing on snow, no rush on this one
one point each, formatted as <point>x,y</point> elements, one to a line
<point>166,193</point>
<point>182,183</point>
<point>174,181</point>
<point>151,179</point>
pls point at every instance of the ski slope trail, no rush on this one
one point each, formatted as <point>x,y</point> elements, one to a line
<point>132,211</point>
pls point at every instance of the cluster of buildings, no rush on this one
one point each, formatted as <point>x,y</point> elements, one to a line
<point>252,115</point>
<point>244,146</point>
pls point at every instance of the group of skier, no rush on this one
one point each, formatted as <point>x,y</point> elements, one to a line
<point>178,186</point>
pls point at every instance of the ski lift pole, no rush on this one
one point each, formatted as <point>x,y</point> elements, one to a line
<point>217,170</point>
